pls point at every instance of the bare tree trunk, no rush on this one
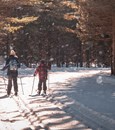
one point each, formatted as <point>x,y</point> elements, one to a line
<point>113,46</point>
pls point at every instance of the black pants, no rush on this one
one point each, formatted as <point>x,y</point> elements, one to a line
<point>42,82</point>
<point>10,79</point>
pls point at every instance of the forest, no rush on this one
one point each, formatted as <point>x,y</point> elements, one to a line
<point>79,33</point>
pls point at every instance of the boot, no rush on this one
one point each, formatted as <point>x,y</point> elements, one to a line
<point>16,93</point>
<point>44,92</point>
<point>39,92</point>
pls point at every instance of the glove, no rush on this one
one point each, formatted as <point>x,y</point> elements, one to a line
<point>34,74</point>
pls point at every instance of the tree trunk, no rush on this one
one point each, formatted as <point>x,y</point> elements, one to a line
<point>113,46</point>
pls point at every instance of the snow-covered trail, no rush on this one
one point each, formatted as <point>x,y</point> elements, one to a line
<point>88,95</point>
<point>35,112</point>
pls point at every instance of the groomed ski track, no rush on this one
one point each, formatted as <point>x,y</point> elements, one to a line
<point>51,113</point>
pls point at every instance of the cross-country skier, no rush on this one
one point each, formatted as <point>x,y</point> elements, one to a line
<point>12,65</point>
<point>42,71</point>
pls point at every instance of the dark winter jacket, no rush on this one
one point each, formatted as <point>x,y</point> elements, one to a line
<point>7,66</point>
<point>41,70</point>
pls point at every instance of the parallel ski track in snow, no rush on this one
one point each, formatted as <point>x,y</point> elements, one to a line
<point>91,118</point>
<point>28,113</point>
<point>31,114</point>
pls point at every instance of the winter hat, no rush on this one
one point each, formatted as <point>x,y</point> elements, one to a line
<point>42,61</point>
<point>12,52</point>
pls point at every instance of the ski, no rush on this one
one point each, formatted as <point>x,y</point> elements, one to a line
<point>11,96</point>
<point>38,95</point>
<point>34,95</point>
<point>43,94</point>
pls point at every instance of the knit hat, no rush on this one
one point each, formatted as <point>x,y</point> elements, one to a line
<point>12,52</point>
<point>42,61</point>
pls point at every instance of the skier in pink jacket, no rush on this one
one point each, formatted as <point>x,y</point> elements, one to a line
<point>42,71</point>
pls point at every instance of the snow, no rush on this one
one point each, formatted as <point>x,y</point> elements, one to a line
<point>83,98</point>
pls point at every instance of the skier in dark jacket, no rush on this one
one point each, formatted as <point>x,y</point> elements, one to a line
<point>42,71</point>
<point>12,65</point>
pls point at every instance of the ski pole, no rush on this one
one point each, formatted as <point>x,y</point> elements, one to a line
<point>21,86</point>
<point>48,81</point>
<point>33,85</point>
<point>4,80</point>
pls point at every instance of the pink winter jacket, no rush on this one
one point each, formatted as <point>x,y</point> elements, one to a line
<point>41,70</point>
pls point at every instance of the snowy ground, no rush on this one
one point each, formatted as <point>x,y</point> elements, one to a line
<point>78,99</point>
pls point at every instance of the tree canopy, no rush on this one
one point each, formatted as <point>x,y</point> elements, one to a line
<point>77,31</point>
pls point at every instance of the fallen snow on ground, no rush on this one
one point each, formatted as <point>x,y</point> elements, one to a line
<point>92,89</point>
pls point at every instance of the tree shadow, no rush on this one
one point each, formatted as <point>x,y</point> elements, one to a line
<point>86,94</point>
<point>51,116</point>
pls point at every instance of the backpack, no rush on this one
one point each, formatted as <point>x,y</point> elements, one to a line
<point>13,64</point>
<point>43,72</point>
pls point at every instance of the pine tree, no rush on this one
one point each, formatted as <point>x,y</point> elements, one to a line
<point>96,22</point>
